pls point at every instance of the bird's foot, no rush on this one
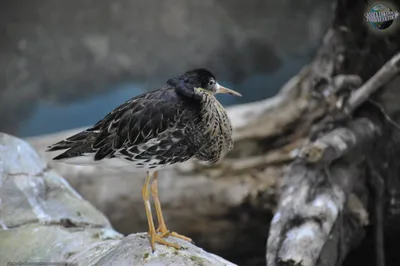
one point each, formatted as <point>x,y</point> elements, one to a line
<point>155,238</point>
<point>164,232</point>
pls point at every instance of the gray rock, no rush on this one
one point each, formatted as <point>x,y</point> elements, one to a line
<point>43,219</point>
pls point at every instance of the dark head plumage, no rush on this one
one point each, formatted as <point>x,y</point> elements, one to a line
<point>192,79</point>
<point>201,77</point>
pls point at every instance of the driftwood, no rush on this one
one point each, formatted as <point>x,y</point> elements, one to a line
<point>317,154</point>
<point>314,196</point>
<point>326,187</point>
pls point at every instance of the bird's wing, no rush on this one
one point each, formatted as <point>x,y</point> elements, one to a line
<point>135,122</point>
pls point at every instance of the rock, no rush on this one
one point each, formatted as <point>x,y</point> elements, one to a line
<point>43,219</point>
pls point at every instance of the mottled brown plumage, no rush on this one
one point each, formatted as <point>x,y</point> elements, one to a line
<point>179,121</point>
<point>170,125</point>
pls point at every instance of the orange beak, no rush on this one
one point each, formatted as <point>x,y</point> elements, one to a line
<point>223,90</point>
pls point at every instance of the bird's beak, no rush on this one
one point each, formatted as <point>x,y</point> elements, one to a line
<point>223,90</point>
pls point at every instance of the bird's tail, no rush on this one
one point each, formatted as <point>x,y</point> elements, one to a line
<point>76,145</point>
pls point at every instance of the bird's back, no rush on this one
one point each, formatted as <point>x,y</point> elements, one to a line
<point>148,131</point>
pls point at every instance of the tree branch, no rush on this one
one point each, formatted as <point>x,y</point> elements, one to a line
<point>385,74</point>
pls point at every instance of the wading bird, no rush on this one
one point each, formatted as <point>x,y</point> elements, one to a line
<point>170,125</point>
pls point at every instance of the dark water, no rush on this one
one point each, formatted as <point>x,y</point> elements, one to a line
<point>50,118</point>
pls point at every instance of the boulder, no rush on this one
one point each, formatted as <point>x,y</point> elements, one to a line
<point>43,219</point>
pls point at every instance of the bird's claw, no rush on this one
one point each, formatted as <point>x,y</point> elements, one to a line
<point>163,232</point>
<point>155,238</point>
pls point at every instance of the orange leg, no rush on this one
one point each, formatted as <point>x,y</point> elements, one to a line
<point>162,228</point>
<point>154,238</point>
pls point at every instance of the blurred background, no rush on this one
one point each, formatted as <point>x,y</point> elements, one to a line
<point>65,64</point>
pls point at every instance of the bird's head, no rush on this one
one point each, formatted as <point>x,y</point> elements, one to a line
<point>198,82</point>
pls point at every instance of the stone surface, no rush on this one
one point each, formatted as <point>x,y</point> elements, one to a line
<point>42,219</point>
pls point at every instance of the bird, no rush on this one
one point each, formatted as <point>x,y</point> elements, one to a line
<point>179,121</point>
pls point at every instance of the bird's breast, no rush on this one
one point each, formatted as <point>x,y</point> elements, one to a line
<point>216,132</point>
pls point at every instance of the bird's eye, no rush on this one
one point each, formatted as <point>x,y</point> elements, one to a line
<point>211,83</point>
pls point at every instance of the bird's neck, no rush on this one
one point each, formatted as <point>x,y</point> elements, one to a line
<point>183,88</point>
